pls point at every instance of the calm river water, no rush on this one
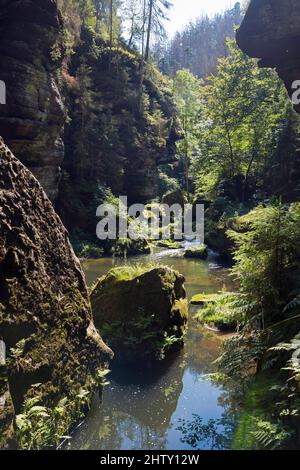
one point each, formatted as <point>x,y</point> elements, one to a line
<point>175,406</point>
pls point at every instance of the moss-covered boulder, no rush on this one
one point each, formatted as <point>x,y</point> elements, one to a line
<point>125,247</point>
<point>202,299</point>
<point>199,252</point>
<point>169,244</point>
<point>53,350</point>
<point>141,312</point>
<point>219,311</point>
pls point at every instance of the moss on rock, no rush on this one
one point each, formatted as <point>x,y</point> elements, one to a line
<point>202,299</point>
<point>142,312</point>
<point>218,311</point>
<point>124,247</point>
<point>199,252</point>
<point>169,244</point>
<point>45,317</point>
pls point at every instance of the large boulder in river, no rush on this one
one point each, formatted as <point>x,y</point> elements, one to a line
<point>50,348</point>
<point>142,312</point>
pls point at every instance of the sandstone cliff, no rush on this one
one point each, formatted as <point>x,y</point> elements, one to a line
<point>271,32</point>
<point>30,52</point>
<point>110,139</point>
<point>122,125</point>
<point>46,326</point>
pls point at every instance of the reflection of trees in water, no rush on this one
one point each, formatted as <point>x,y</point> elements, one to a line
<point>118,430</point>
<point>136,410</point>
<point>202,349</point>
<point>215,434</point>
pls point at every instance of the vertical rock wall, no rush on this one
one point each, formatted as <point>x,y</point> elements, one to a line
<point>271,32</point>
<point>30,52</point>
<point>46,323</point>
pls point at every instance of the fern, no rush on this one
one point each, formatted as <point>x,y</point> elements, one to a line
<point>269,435</point>
<point>292,305</point>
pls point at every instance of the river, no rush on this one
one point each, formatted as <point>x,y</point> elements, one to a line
<point>175,406</point>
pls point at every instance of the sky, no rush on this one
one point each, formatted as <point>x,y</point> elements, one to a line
<point>185,10</point>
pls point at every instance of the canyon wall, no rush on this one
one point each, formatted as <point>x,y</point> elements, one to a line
<point>110,138</point>
<point>32,119</point>
<point>46,327</point>
<point>122,126</point>
<point>271,32</point>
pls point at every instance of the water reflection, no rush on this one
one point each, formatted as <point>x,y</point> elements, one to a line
<point>172,406</point>
<point>216,434</point>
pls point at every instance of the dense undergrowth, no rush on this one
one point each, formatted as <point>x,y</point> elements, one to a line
<point>266,308</point>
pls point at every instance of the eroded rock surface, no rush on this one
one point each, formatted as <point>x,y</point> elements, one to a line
<point>45,317</point>
<point>142,312</point>
<point>32,119</point>
<point>271,32</point>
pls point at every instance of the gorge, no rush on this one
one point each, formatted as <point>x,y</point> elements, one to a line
<point>202,340</point>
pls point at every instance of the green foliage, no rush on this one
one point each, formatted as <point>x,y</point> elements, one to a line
<point>201,43</point>
<point>124,247</point>
<point>242,125</point>
<point>93,14</point>
<point>102,377</point>
<point>293,364</point>
<point>39,427</point>
<point>267,261</point>
<point>166,184</point>
<point>189,105</point>
<point>220,311</point>
<point>117,130</point>
<point>140,332</point>
<point>269,435</point>
<point>169,244</point>
<point>202,299</point>
<point>241,355</point>
<point>90,252</point>
<point>214,434</point>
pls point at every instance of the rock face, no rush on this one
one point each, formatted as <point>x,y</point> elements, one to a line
<point>142,313</point>
<point>32,119</point>
<point>122,126</point>
<point>199,252</point>
<point>271,32</point>
<point>46,323</point>
<point>112,137</point>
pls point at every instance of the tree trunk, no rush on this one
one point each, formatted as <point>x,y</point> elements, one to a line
<point>143,30</point>
<point>132,33</point>
<point>149,30</point>
<point>98,17</point>
<point>110,32</point>
<point>186,156</point>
